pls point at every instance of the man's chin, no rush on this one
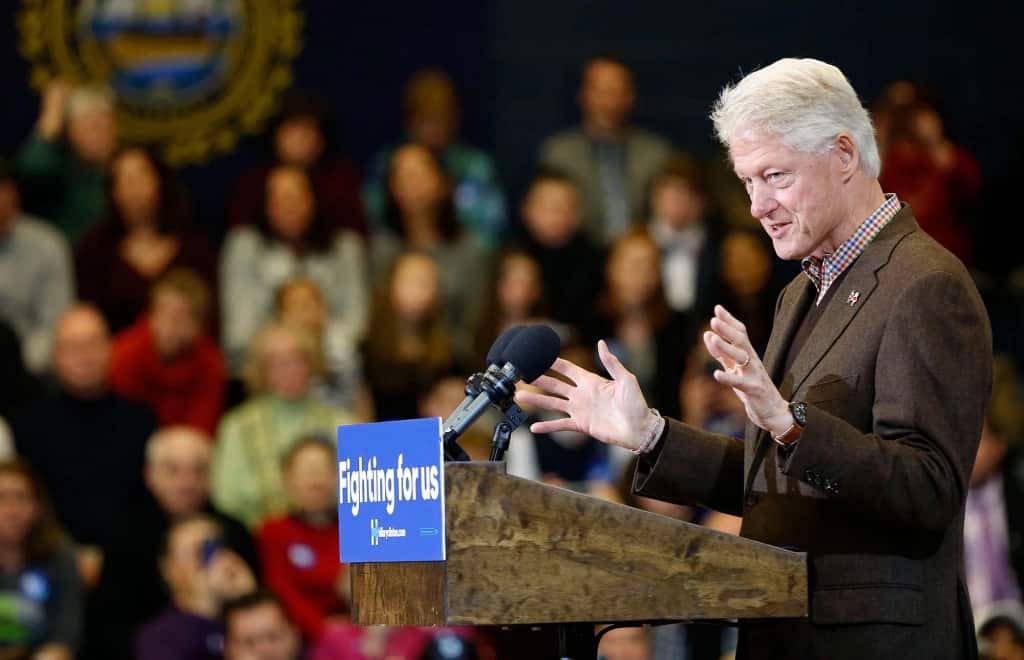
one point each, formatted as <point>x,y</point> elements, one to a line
<point>786,251</point>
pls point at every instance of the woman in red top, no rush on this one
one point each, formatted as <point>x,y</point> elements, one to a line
<point>300,550</point>
<point>168,361</point>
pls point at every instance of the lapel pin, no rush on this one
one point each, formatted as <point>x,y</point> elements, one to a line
<point>852,299</point>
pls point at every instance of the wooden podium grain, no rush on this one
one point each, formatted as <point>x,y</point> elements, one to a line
<point>522,552</point>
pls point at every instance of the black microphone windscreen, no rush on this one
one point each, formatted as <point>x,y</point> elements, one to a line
<point>498,347</point>
<point>533,350</point>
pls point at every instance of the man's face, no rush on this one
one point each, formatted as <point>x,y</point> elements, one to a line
<point>794,195</point>
<point>286,366</point>
<point>260,632</point>
<point>82,355</point>
<point>178,476</point>
<point>607,94</point>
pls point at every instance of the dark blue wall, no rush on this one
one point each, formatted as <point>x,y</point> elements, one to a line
<point>516,64</point>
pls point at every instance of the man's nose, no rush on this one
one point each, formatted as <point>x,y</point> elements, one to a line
<point>762,200</point>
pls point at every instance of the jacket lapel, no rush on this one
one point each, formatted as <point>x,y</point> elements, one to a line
<point>787,319</point>
<point>863,278</point>
<point>846,302</point>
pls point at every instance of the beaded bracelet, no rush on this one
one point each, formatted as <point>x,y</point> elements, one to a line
<point>652,435</point>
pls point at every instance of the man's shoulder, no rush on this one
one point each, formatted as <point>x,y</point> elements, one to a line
<point>131,410</point>
<point>40,234</point>
<point>917,255</point>
<point>565,140</point>
<point>646,139</point>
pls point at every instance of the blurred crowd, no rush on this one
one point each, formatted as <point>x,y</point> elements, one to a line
<point>170,394</point>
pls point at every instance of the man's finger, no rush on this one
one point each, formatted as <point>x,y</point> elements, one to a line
<point>726,315</point>
<point>735,354</point>
<point>568,369</point>
<point>615,368</point>
<point>554,426</point>
<point>733,379</point>
<point>538,400</point>
<point>715,352</point>
<point>554,386</point>
<point>729,331</point>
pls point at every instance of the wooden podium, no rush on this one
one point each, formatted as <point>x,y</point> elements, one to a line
<point>522,552</point>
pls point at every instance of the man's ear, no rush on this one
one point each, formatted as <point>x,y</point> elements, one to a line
<point>846,151</point>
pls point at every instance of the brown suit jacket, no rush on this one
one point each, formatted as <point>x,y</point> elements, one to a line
<point>896,379</point>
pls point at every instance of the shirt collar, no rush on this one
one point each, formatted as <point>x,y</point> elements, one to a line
<point>823,272</point>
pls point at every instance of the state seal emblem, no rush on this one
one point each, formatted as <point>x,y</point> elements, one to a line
<point>190,76</point>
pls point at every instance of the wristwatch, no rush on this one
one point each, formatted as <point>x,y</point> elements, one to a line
<point>792,434</point>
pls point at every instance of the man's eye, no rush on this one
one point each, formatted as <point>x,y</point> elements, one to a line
<point>777,178</point>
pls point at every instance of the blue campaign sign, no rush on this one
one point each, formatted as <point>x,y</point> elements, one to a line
<point>391,491</point>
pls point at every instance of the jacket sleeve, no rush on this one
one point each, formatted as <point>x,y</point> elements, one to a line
<point>691,466</point>
<point>932,380</point>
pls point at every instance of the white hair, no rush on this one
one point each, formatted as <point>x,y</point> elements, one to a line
<point>806,103</point>
<point>84,99</point>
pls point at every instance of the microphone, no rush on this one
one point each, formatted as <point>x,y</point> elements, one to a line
<point>475,382</point>
<point>528,354</point>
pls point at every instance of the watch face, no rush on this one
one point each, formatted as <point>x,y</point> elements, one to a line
<point>799,411</point>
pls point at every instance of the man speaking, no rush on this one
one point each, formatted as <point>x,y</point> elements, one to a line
<point>864,415</point>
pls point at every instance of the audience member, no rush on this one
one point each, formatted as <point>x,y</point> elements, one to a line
<point>432,121</point>
<point>40,592</point>
<point>686,229</point>
<point>145,234</point>
<point>748,285</point>
<point>291,239</point>
<point>938,178</point>
<point>86,441</point>
<point>302,136</point>
<point>300,550</point>
<point>420,216</point>
<point>611,161</point>
<point>994,514</point>
<point>257,628</point>
<point>515,297</point>
<point>19,389</point>
<point>35,275</point>
<point>177,475</point>
<point>201,575</point>
<point>300,302</point>
<point>254,438</point>
<point>65,178</point>
<point>1000,630</point>
<point>634,318</point>
<point>168,361</point>
<point>569,262</point>
<point>410,345</point>
<point>895,97</point>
